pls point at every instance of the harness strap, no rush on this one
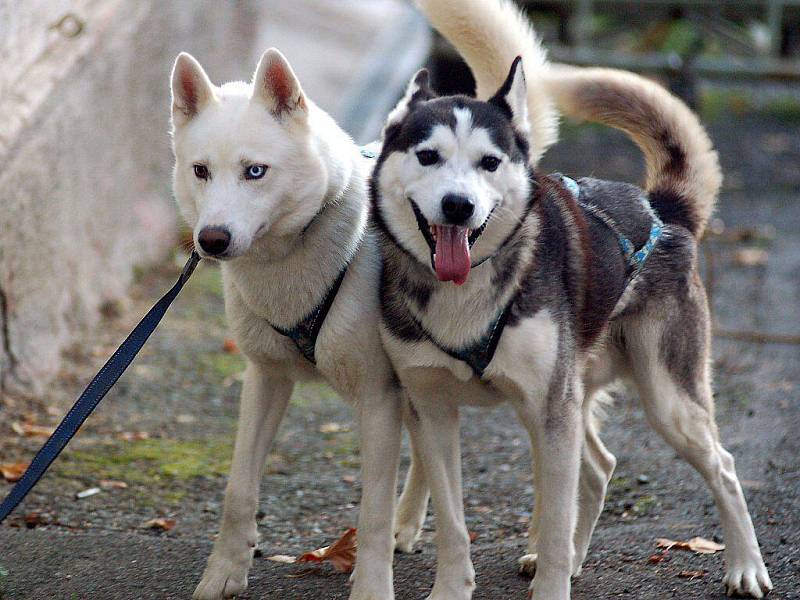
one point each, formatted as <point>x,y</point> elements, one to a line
<point>94,393</point>
<point>304,334</point>
<point>635,258</point>
<point>480,354</point>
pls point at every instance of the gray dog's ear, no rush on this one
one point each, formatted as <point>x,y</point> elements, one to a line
<point>418,90</point>
<point>276,85</point>
<point>191,89</point>
<point>512,97</point>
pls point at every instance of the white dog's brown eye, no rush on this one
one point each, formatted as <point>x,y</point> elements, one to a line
<point>490,163</point>
<point>255,171</point>
<point>427,157</point>
<point>201,171</point>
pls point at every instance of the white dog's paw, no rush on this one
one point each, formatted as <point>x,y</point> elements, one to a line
<point>751,581</point>
<point>527,564</point>
<point>405,536</point>
<point>223,578</point>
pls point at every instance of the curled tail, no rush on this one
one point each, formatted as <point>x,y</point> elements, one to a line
<point>489,35</point>
<point>683,172</point>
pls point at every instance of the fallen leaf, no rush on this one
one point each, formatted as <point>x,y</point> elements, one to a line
<point>333,428</point>
<point>113,484</point>
<point>161,524</point>
<point>696,544</point>
<point>13,471</point>
<point>349,479</point>
<point>341,554</point>
<point>31,430</point>
<point>751,257</point>
<point>230,346</point>
<point>657,557</point>
<point>473,535</point>
<point>283,558</point>
<point>133,436</point>
<point>692,574</point>
<point>34,519</point>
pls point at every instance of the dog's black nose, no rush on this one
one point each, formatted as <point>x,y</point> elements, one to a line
<point>214,240</point>
<point>457,209</point>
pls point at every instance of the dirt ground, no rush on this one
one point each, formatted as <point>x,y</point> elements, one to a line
<point>167,431</point>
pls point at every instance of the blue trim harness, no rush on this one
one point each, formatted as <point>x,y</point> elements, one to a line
<point>635,258</point>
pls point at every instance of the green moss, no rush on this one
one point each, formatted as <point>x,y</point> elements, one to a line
<point>149,461</point>
<point>223,364</point>
<point>619,481</point>
<point>644,504</point>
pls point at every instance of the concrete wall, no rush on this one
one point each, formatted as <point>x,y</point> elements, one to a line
<point>84,148</point>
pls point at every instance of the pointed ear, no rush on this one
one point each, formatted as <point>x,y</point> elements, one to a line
<point>418,90</point>
<point>512,97</point>
<point>191,89</point>
<point>276,85</point>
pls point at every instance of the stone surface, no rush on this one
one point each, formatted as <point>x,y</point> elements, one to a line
<point>84,147</point>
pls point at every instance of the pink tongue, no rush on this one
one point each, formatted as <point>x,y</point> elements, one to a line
<point>451,258</point>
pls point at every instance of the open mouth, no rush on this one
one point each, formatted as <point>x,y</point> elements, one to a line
<point>450,246</point>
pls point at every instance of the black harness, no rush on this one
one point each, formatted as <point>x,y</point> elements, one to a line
<point>305,332</point>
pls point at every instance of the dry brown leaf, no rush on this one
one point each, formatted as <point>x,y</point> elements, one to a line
<point>333,428</point>
<point>161,524</point>
<point>351,479</point>
<point>751,257</point>
<point>692,574</point>
<point>28,429</point>
<point>341,554</point>
<point>133,436</point>
<point>34,519</point>
<point>13,471</point>
<point>283,558</point>
<point>112,484</point>
<point>230,346</point>
<point>656,558</point>
<point>473,535</point>
<point>696,544</point>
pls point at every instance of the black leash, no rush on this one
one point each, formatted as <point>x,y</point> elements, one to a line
<point>94,393</point>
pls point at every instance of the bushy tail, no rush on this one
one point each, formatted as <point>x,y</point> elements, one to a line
<point>489,35</point>
<point>683,173</point>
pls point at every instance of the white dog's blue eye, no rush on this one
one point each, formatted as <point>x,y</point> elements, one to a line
<point>255,171</point>
<point>490,163</point>
<point>427,157</point>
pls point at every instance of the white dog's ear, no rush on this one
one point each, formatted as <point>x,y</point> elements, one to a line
<point>191,89</point>
<point>512,97</point>
<point>418,90</point>
<point>276,85</point>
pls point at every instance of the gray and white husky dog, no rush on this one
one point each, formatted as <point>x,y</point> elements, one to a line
<point>276,192</point>
<point>501,283</point>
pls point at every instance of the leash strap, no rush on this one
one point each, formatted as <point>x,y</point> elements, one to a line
<point>94,393</point>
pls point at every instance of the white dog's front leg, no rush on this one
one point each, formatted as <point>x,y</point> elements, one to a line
<point>380,419</point>
<point>434,430</point>
<point>556,435</point>
<point>265,397</point>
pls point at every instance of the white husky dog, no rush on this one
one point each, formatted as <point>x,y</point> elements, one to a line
<point>276,192</point>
